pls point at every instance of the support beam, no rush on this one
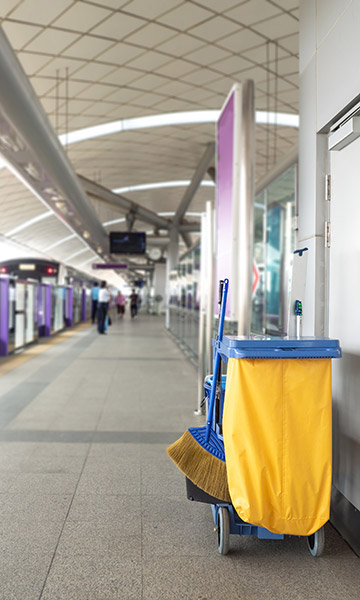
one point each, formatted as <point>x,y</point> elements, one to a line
<point>191,190</point>
<point>124,204</point>
<point>130,219</point>
<point>212,173</point>
<point>106,195</point>
<point>187,239</point>
<point>24,113</point>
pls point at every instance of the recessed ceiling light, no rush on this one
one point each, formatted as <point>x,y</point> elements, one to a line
<point>159,185</point>
<point>30,222</point>
<point>169,119</point>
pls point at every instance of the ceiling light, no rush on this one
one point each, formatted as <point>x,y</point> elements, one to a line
<point>66,239</point>
<point>159,185</point>
<point>172,214</point>
<point>30,222</point>
<point>87,261</point>
<point>107,223</point>
<point>86,235</point>
<point>10,142</point>
<point>61,205</point>
<point>166,120</point>
<point>76,254</point>
<point>32,171</point>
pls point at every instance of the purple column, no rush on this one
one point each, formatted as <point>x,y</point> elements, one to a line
<point>4,316</point>
<point>69,307</point>
<point>41,310</point>
<point>44,309</point>
<point>47,325</point>
<point>83,304</point>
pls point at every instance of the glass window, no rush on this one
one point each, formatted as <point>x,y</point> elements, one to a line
<point>274,244</point>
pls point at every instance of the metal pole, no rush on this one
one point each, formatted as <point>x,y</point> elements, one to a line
<point>171,262</point>
<point>246,205</point>
<point>202,316</point>
<point>209,286</point>
<point>206,302</point>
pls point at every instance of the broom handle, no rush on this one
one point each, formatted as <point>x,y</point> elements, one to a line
<point>217,357</point>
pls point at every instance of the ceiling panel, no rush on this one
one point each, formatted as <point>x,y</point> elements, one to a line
<point>40,11</point>
<point>151,10</point>
<point>118,26</point>
<point>73,18</point>
<point>20,34</point>
<point>147,58</point>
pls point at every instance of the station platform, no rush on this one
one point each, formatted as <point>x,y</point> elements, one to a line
<point>91,507</point>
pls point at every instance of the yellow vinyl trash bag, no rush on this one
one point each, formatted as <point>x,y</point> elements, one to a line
<point>277,436</point>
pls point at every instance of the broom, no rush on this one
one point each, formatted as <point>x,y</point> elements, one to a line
<point>199,453</point>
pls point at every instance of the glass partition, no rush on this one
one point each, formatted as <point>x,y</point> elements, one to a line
<point>274,244</point>
<point>57,308</point>
<point>31,313</point>
<point>185,303</point>
<point>77,289</point>
<point>23,318</point>
<point>88,303</point>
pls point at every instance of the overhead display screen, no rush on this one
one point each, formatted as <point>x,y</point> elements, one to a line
<point>127,242</point>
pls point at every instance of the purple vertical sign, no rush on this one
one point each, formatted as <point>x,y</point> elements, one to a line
<point>69,307</point>
<point>83,304</point>
<point>224,199</point>
<point>44,309</point>
<point>47,324</point>
<point>4,316</point>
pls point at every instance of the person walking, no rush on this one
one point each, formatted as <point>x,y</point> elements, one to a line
<point>94,301</point>
<point>120,301</point>
<point>103,305</point>
<point>134,299</point>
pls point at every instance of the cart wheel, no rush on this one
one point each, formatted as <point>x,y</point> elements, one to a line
<point>223,530</point>
<point>316,542</point>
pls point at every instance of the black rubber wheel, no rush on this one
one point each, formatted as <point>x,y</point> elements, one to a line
<point>223,530</point>
<point>316,542</point>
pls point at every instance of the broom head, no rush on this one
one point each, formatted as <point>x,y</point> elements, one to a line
<point>203,462</point>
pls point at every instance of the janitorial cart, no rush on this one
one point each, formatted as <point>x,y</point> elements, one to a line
<point>273,419</point>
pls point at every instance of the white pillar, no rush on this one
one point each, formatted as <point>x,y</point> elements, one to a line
<point>206,299</point>
<point>245,140</point>
<point>171,262</point>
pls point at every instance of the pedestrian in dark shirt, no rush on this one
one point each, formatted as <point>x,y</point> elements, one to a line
<point>134,299</point>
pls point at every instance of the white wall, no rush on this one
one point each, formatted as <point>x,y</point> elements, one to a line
<point>159,283</point>
<point>329,85</point>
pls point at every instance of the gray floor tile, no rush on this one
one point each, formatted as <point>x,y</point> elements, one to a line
<point>181,578</point>
<point>123,512</point>
<point>173,527</point>
<point>100,538</point>
<point>28,508</point>
<point>7,479</point>
<point>44,483</point>
<point>123,477</point>
<point>95,578</point>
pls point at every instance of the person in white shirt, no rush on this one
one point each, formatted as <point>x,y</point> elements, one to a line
<point>103,305</point>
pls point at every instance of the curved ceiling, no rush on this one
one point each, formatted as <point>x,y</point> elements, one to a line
<point>98,62</point>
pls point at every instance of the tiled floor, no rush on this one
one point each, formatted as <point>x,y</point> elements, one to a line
<point>91,508</point>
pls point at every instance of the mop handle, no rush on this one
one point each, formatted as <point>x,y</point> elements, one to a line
<point>217,357</point>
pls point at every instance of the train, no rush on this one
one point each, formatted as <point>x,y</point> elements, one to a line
<point>39,298</point>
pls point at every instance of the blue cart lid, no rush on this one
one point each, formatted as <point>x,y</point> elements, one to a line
<point>278,347</point>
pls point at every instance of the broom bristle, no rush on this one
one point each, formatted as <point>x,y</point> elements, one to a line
<point>201,467</point>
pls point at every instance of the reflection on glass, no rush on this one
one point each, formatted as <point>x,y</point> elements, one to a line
<point>76,302</point>
<point>274,243</point>
<point>30,313</point>
<point>57,307</point>
<point>184,303</point>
